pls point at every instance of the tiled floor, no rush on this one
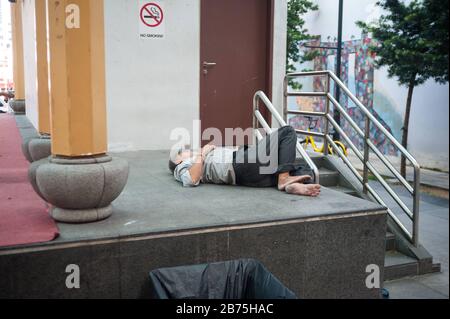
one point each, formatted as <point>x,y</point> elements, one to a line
<point>428,177</point>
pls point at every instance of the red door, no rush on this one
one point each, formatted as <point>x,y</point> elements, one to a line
<point>235,53</point>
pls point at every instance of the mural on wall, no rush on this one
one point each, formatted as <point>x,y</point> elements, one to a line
<point>362,85</point>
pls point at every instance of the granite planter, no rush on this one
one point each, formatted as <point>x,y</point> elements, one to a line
<point>18,106</point>
<point>36,148</point>
<point>80,190</point>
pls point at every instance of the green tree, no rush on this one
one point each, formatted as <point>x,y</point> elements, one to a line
<point>296,33</point>
<point>413,43</point>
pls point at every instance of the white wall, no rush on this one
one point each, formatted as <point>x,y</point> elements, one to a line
<point>6,44</point>
<point>279,53</point>
<point>429,128</point>
<point>152,85</point>
<point>30,61</point>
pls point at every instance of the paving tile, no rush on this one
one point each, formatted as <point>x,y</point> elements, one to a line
<point>411,289</point>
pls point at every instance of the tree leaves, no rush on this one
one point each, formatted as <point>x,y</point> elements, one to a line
<point>296,33</point>
<point>413,40</point>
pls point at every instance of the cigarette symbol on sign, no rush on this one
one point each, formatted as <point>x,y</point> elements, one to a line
<point>152,15</point>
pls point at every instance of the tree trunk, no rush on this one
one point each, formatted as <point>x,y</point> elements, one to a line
<point>406,125</point>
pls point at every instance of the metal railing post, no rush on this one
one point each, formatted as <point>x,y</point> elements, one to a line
<point>327,122</point>
<point>369,146</point>
<point>255,121</point>
<point>366,156</point>
<point>285,99</point>
<point>416,205</point>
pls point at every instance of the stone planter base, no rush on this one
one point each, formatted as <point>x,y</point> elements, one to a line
<point>35,149</point>
<point>80,190</point>
<point>32,170</point>
<point>18,106</point>
<point>80,216</point>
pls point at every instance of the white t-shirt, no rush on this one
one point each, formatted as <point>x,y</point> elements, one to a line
<point>217,169</point>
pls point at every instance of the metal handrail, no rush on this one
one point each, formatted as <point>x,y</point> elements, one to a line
<point>414,190</point>
<point>258,119</point>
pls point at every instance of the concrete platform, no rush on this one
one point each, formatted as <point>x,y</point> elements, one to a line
<point>318,247</point>
<point>153,202</point>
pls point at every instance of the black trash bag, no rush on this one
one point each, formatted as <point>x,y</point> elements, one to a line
<point>238,279</point>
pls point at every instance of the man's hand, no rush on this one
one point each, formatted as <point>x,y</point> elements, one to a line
<point>7,95</point>
<point>197,169</point>
<point>207,149</point>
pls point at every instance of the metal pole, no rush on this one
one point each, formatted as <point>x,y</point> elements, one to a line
<point>285,99</point>
<point>327,122</point>
<point>366,156</point>
<point>255,121</point>
<point>337,114</point>
<point>416,204</point>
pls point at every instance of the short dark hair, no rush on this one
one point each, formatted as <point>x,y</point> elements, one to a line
<point>172,165</point>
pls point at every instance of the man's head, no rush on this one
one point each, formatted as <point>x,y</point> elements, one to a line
<point>182,155</point>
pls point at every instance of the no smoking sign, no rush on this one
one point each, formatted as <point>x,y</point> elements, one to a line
<point>151,20</point>
<point>152,15</point>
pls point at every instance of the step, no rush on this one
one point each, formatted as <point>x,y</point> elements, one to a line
<point>344,190</point>
<point>398,265</point>
<point>317,158</point>
<point>328,178</point>
<point>390,241</point>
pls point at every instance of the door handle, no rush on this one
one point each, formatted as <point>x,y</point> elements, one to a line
<point>209,64</point>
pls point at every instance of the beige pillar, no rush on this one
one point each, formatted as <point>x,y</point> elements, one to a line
<point>18,105</point>
<point>42,67</point>
<point>79,180</point>
<point>39,147</point>
<point>77,75</point>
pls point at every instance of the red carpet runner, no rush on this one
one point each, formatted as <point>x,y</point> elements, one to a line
<point>23,214</point>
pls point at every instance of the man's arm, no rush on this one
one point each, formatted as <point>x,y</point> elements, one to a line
<point>196,169</point>
<point>7,95</point>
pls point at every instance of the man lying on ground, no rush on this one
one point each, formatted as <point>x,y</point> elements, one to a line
<point>6,95</point>
<point>247,166</point>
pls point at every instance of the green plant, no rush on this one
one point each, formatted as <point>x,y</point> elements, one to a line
<point>296,33</point>
<point>413,43</point>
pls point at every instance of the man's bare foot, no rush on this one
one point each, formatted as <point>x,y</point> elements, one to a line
<point>312,190</point>
<point>288,180</point>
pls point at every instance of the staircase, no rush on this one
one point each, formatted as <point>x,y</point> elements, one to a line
<point>399,261</point>
<point>405,256</point>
